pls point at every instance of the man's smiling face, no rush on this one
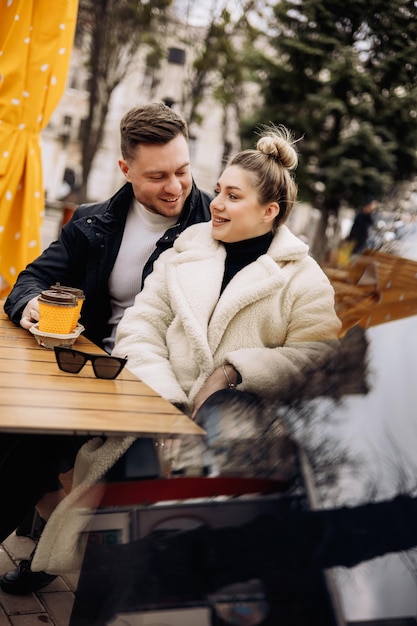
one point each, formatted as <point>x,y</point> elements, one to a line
<point>160,175</point>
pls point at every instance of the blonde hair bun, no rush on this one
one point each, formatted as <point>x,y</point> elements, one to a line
<point>277,142</point>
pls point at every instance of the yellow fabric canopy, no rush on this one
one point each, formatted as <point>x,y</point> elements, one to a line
<point>36,38</point>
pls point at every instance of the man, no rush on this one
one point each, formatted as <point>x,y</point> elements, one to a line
<point>107,250</point>
<point>130,230</point>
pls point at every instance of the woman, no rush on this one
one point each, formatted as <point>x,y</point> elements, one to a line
<point>238,301</point>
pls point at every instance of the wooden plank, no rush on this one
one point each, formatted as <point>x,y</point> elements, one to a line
<point>101,397</point>
<point>46,365</point>
<point>390,313</point>
<point>396,295</point>
<point>80,384</point>
<point>343,289</point>
<point>109,422</point>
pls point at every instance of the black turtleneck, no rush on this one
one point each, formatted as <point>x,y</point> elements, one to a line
<point>241,253</point>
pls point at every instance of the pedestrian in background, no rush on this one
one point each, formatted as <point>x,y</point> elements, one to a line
<point>362,223</point>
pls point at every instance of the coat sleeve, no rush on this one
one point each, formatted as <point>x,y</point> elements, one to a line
<point>55,264</point>
<point>311,342</point>
<point>141,336</point>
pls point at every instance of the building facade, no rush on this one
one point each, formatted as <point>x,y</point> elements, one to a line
<point>61,144</point>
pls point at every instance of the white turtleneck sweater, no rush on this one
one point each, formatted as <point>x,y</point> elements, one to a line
<point>142,231</point>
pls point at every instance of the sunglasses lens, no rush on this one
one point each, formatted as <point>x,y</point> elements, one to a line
<point>70,361</point>
<point>107,367</point>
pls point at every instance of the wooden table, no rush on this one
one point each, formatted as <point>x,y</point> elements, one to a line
<point>37,397</point>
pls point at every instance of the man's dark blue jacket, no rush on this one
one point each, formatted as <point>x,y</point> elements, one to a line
<point>84,255</point>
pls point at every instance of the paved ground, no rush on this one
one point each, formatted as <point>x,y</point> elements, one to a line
<point>50,606</point>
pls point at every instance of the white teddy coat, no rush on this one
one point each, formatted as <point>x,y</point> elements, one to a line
<point>271,322</point>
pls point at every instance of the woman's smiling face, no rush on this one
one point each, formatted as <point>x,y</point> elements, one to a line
<point>236,211</point>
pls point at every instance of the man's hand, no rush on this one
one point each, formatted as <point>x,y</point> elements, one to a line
<point>30,314</point>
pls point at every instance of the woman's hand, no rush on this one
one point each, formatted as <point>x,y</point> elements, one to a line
<point>216,381</point>
<point>30,314</point>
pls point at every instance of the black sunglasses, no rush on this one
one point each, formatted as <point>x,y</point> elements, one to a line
<point>104,365</point>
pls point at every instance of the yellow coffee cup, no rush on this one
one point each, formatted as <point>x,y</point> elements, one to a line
<point>78,293</point>
<point>56,312</point>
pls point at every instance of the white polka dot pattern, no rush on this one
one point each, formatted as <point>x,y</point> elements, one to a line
<point>36,38</point>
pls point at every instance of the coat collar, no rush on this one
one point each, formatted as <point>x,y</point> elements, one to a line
<point>195,276</point>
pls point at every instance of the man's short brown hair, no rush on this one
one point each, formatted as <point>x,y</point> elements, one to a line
<point>153,123</point>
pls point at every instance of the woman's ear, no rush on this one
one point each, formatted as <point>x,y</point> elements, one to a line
<point>271,211</point>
